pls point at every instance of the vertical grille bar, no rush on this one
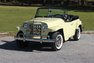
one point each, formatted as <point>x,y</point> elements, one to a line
<point>37,27</point>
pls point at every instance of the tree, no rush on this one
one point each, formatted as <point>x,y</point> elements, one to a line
<point>24,1</point>
<point>66,2</point>
<point>44,2</point>
<point>82,2</point>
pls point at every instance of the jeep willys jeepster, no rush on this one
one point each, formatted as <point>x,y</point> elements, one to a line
<point>53,26</point>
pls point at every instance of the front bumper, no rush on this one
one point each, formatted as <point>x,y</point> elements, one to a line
<point>36,40</point>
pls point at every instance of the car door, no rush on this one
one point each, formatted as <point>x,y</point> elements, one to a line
<point>69,28</point>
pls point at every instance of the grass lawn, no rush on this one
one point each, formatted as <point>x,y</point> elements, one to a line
<point>12,16</point>
<point>87,19</point>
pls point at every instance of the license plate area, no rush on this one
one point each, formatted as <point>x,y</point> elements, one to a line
<point>36,37</point>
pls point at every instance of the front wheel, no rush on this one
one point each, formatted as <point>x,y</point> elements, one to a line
<point>77,34</point>
<point>57,45</point>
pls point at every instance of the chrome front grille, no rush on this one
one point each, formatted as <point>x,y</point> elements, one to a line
<point>37,27</point>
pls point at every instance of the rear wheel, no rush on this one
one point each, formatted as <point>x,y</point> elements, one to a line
<point>20,43</point>
<point>57,45</point>
<point>77,34</point>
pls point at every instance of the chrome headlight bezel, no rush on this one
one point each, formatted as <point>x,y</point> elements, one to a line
<point>45,26</point>
<point>25,25</point>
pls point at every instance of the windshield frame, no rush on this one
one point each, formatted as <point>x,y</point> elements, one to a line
<point>49,11</point>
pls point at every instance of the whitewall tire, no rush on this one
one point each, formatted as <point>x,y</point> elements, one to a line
<point>57,45</point>
<point>77,35</point>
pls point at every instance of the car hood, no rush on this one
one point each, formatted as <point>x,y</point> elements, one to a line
<point>51,22</point>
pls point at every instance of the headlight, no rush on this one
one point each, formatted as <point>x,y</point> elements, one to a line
<point>45,26</point>
<point>25,25</point>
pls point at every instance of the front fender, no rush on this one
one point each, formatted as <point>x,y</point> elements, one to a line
<point>56,28</point>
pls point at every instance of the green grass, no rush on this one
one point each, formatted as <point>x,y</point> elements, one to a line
<point>87,19</point>
<point>12,16</point>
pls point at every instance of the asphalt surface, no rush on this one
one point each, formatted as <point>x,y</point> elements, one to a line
<point>81,51</point>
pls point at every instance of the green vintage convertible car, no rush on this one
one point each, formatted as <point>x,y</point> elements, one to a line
<point>53,26</point>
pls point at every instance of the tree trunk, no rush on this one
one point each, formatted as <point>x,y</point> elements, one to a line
<point>83,2</point>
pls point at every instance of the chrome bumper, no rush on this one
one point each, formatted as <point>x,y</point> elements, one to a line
<point>36,40</point>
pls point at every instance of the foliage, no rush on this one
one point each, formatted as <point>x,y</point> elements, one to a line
<point>65,2</point>
<point>22,1</point>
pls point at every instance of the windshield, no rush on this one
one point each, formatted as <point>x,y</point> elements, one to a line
<point>44,12</point>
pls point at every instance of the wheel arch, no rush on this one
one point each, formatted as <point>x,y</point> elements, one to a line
<point>60,31</point>
<point>18,33</point>
<point>80,26</point>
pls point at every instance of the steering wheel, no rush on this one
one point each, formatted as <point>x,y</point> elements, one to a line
<point>65,16</point>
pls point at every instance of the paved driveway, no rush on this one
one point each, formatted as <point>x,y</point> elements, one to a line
<point>81,51</point>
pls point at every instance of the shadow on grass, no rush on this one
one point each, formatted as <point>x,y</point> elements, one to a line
<point>11,45</point>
